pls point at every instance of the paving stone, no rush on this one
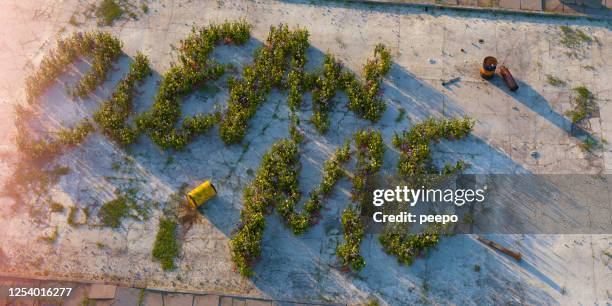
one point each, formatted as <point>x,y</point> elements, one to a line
<point>127,296</point>
<point>572,8</point>
<point>226,301</point>
<point>77,295</point>
<point>206,300</point>
<point>510,4</point>
<point>178,299</point>
<point>488,3</point>
<point>238,302</point>
<point>531,5</point>
<point>258,303</point>
<point>153,299</point>
<point>468,2</point>
<point>595,11</point>
<point>591,4</point>
<point>19,302</point>
<point>553,6</point>
<point>102,292</point>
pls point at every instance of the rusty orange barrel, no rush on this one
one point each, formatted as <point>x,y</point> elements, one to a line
<point>488,67</point>
<point>201,194</point>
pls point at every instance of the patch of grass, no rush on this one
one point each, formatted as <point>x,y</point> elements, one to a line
<point>109,11</point>
<point>589,144</point>
<point>573,38</point>
<point>400,115</point>
<point>348,252</point>
<point>141,296</point>
<point>116,166</point>
<point>51,238</point>
<point>373,302</point>
<point>166,248</point>
<point>85,302</point>
<point>86,213</point>
<point>76,135</point>
<point>425,286</point>
<point>584,104</point>
<point>73,21</point>
<point>72,216</point>
<point>57,207</point>
<point>554,81</point>
<point>59,171</point>
<point>468,218</point>
<point>112,212</point>
<point>589,67</point>
<point>101,245</point>
<point>144,7</point>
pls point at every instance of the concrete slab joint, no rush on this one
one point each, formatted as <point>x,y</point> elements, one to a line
<point>206,300</point>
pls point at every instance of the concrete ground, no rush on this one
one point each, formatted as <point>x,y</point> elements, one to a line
<point>428,47</point>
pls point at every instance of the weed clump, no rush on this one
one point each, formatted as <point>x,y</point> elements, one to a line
<point>573,38</point>
<point>349,252</point>
<point>113,114</point>
<point>332,172</point>
<point>416,165</point>
<point>51,238</point>
<point>554,81</point>
<point>364,99</point>
<point>194,67</point>
<point>57,207</point>
<point>112,212</point>
<point>33,174</point>
<point>408,246</point>
<point>166,248</point>
<point>275,184</point>
<point>109,11</point>
<point>415,158</point>
<point>42,150</point>
<point>106,51</point>
<point>282,47</point>
<point>331,80</point>
<point>104,48</point>
<point>370,151</point>
<point>584,104</point>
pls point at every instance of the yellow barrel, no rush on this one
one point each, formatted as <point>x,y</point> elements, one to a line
<point>201,194</point>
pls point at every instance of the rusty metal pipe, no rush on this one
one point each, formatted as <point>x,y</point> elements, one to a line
<point>508,78</point>
<point>493,245</point>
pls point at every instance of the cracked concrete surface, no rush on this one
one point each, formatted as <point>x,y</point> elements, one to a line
<point>426,48</point>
